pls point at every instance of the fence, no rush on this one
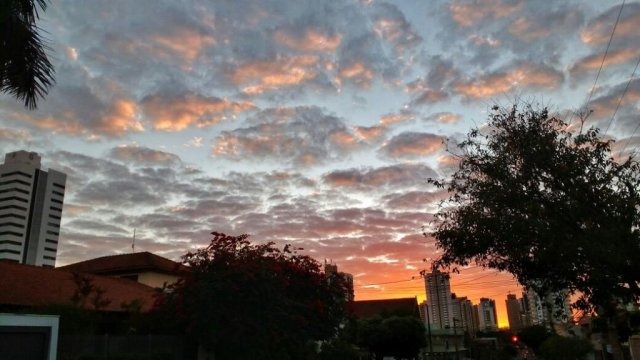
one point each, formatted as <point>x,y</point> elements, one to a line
<point>147,347</point>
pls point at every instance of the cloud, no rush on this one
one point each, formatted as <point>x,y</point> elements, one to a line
<point>444,117</point>
<point>412,145</point>
<point>606,101</point>
<point>310,40</point>
<point>301,136</point>
<point>14,135</point>
<point>614,57</point>
<point>391,25</point>
<point>370,133</point>
<point>598,30</point>
<point>80,105</point>
<point>414,200</point>
<point>395,176</point>
<point>258,76</point>
<point>141,155</point>
<point>467,14</point>
<point>520,76</point>
<point>393,118</point>
<point>177,112</point>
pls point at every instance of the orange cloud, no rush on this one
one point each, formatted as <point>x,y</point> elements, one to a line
<point>369,133</point>
<point>396,118</point>
<point>526,29</point>
<point>358,73</point>
<point>186,43</point>
<point>526,75</point>
<point>615,57</point>
<point>344,139</point>
<point>120,118</point>
<point>265,75</point>
<point>311,40</point>
<point>598,31</point>
<point>412,144</point>
<point>117,119</point>
<point>177,113</point>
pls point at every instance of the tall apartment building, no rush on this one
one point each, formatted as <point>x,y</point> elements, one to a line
<point>330,268</point>
<point>463,313</point>
<point>514,313</point>
<point>539,308</point>
<point>439,306</point>
<point>30,209</point>
<point>487,315</point>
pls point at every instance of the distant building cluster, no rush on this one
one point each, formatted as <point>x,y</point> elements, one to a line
<point>444,310</point>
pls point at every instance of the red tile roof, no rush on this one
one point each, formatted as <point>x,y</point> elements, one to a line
<point>27,285</point>
<point>127,263</point>
<point>401,306</point>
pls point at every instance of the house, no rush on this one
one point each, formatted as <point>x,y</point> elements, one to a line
<point>27,286</point>
<point>143,267</point>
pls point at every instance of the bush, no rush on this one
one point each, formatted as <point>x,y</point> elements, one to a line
<point>564,348</point>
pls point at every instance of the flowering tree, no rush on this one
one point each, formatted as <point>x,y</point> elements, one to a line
<point>245,300</point>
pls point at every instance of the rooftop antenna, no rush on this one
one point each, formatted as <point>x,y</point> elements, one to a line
<point>133,243</point>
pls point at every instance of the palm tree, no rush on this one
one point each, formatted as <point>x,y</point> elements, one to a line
<point>25,71</point>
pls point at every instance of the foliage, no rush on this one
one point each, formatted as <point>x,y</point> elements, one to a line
<point>534,336</point>
<point>245,300</point>
<point>25,70</point>
<point>399,336</point>
<point>338,349</point>
<point>549,206</point>
<point>564,348</point>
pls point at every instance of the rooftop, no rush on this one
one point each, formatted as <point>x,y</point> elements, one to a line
<point>27,285</point>
<point>126,263</point>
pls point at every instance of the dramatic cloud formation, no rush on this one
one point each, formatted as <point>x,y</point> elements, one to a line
<point>315,123</point>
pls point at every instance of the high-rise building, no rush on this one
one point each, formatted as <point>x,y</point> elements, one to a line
<point>330,268</point>
<point>439,307</point>
<point>463,313</point>
<point>514,313</point>
<point>487,315</point>
<point>556,305</point>
<point>30,209</point>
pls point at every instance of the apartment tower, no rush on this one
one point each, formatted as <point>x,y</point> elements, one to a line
<point>439,305</point>
<point>30,209</point>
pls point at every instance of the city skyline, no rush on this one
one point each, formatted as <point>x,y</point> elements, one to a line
<point>312,123</point>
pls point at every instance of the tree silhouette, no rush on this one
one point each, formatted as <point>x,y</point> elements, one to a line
<point>25,71</point>
<point>551,207</point>
<point>247,301</point>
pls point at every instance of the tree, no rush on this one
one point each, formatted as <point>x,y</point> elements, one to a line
<point>25,71</point>
<point>551,207</point>
<point>399,336</point>
<point>247,301</point>
<point>562,348</point>
<point>534,336</point>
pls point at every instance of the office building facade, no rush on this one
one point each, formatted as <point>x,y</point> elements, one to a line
<point>31,202</point>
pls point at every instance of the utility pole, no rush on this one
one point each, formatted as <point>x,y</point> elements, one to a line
<point>455,338</point>
<point>429,331</point>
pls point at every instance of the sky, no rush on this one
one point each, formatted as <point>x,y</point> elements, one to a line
<point>312,123</point>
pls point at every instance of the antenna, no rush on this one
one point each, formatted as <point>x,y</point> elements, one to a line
<point>133,243</point>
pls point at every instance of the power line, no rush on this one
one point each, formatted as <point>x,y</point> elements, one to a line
<point>633,74</point>
<point>605,52</point>
<point>386,283</point>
